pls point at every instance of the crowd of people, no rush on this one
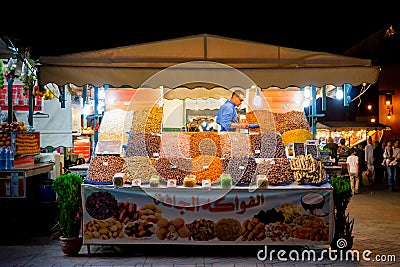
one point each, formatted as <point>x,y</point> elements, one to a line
<point>377,162</point>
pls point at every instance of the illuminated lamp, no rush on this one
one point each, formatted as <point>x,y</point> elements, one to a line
<point>388,99</point>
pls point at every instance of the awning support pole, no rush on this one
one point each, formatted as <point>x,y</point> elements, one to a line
<point>10,82</point>
<point>314,114</point>
<point>314,111</point>
<point>31,105</point>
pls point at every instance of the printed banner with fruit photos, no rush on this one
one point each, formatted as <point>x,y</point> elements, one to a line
<point>292,215</point>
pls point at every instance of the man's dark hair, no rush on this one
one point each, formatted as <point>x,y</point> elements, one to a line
<point>239,93</point>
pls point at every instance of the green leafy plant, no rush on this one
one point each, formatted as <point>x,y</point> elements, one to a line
<point>69,203</point>
<point>341,198</point>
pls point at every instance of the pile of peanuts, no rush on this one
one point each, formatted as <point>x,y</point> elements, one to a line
<point>102,168</point>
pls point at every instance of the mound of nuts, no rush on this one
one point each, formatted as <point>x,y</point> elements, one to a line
<point>103,229</point>
<point>290,121</point>
<point>103,168</point>
<point>143,144</point>
<point>253,230</point>
<point>205,143</point>
<point>172,229</point>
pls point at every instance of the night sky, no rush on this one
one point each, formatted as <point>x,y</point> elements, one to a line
<point>68,28</point>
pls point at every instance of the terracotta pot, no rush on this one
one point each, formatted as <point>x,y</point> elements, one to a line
<point>70,246</point>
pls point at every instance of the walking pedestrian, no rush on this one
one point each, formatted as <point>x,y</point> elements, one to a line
<point>390,162</point>
<point>378,158</point>
<point>352,168</point>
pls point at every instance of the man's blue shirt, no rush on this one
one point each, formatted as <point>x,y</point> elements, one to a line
<point>226,114</point>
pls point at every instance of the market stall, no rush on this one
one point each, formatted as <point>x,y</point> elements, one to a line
<point>354,132</point>
<point>143,182</point>
<point>174,183</point>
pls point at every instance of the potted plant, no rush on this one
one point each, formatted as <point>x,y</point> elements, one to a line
<point>69,203</point>
<point>343,237</point>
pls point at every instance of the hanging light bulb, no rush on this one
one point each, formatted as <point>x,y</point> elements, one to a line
<point>388,100</point>
<point>307,92</point>
<point>339,93</point>
<point>369,107</point>
<point>389,116</point>
<point>373,119</point>
<point>257,98</point>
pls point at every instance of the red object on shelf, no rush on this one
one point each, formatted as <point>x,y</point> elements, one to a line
<point>82,147</point>
<point>20,101</point>
<point>24,160</point>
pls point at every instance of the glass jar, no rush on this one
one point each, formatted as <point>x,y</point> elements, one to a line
<point>226,180</point>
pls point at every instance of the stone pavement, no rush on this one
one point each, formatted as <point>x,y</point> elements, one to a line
<point>376,213</point>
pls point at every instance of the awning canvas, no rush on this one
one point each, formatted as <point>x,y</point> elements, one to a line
<point>212,59</point>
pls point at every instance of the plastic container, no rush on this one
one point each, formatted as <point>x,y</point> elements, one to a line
<point>262,181</point>
<point>11,159</point>
<point>154,181</point>
<point>118,180</point>
<point>189,181</point>
<point>226,180</point>
<point>7,158</point>
<point>2,158</point>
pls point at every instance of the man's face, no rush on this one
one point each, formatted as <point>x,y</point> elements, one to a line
<point>396,144</point>
<point>237,100</point>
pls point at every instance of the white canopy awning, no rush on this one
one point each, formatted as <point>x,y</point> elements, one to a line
<point>211,58</point>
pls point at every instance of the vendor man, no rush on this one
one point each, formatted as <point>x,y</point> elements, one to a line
<point>227,116</point>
